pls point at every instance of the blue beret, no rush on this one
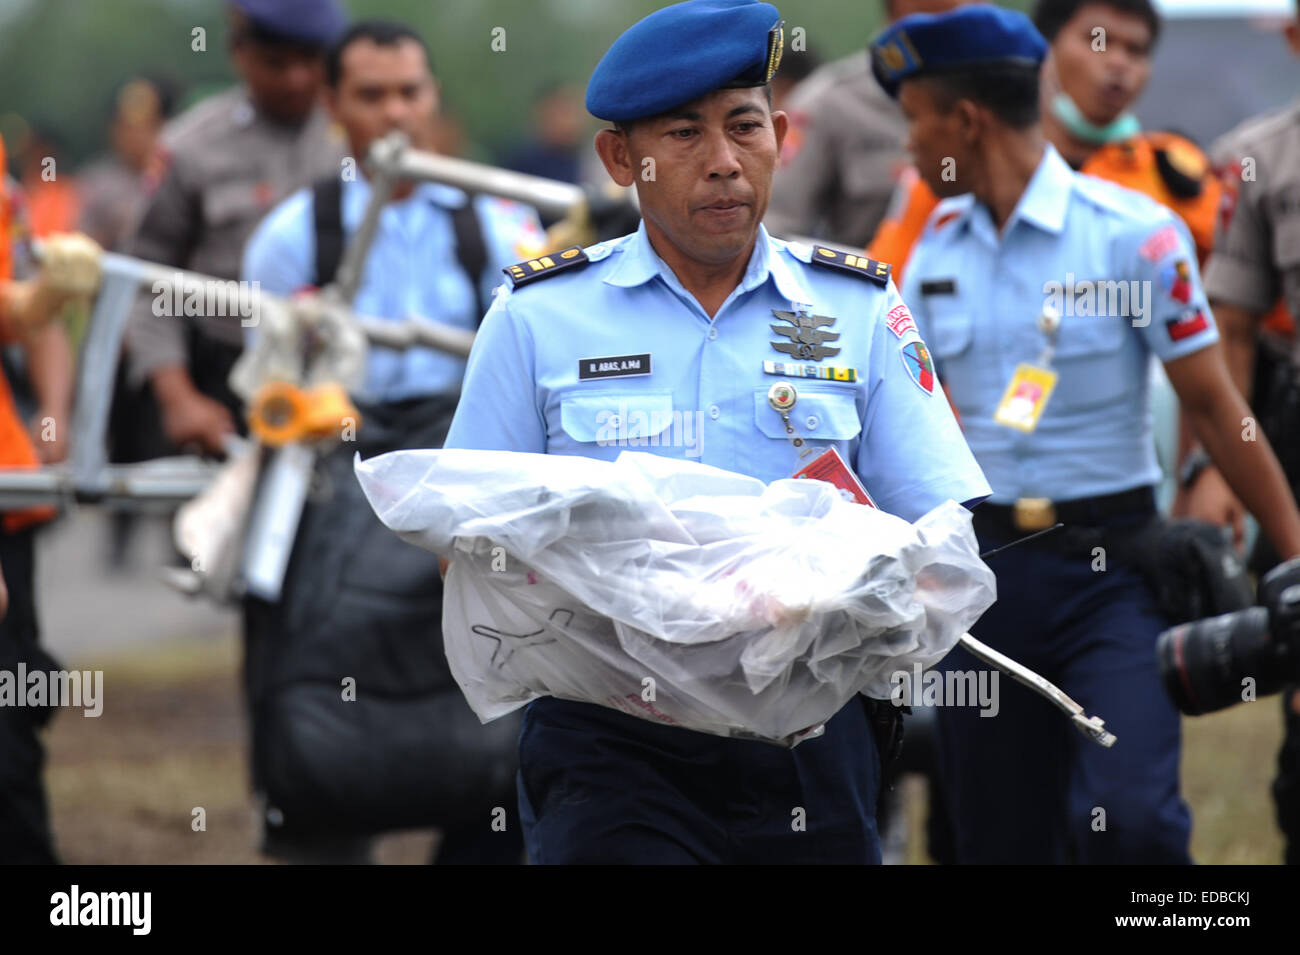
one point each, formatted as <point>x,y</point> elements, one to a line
<point>683,52</point>
<point>318,22</point>
<point>974,35</point>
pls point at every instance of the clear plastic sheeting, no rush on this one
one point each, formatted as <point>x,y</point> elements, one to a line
<point>675,591</point>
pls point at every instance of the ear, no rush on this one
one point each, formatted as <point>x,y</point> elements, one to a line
<point>1049,81</point>
<point>968,119</point>
<point>239,57</point>
<point>612,148</point>
<point>780,126</point>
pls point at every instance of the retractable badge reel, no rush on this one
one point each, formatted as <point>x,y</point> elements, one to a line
<point>782,397</point>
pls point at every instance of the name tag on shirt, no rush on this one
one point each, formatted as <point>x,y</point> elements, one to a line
<point>614,366</point>
<point>939,287</point>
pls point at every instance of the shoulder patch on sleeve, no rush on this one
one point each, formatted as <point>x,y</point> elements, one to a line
<point>858,265</point>
<point>544,266</point>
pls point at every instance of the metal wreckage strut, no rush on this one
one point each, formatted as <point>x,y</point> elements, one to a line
<point>252,548</point>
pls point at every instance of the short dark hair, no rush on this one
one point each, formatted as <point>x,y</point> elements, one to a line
<point>1008,90</point>
<point>1051,15</point>
<point>627,125</point>
<point>379,32</point>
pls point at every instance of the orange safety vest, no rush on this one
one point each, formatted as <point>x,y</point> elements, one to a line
<point>16,449</point>
<point>1164,166</point>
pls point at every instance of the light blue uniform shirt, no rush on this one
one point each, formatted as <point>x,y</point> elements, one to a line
<point>705,397</point>
<point>411,271</point>
<point>977,298</point>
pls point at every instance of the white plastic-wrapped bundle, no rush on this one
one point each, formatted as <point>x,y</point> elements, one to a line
<point>675,591</point>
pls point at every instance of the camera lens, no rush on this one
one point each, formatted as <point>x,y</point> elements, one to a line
<point>1205,663</point>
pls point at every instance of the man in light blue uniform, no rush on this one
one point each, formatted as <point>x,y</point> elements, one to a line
<point>670,340</point>
<point>1043,294</point>
<point>358,602</point>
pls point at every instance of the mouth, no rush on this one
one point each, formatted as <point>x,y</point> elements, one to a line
<point>1115,94</point>
<point>723,205</point>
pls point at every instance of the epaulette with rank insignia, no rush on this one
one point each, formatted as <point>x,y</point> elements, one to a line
<point>858,265</point>
<point>521,273</point>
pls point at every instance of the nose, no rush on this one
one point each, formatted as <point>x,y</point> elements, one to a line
<point>300,76</point>
<point>395,110</point>
<point>722,161</point>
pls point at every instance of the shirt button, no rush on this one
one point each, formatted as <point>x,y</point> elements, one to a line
<point>811,422</point>
<point>713,334</point>
<point>714,411</point>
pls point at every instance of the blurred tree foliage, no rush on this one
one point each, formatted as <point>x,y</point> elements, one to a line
<point>60,60</point>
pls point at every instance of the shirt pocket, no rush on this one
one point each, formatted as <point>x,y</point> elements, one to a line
<point>949,335</point>
<point>235,204</point>
<point>1089,363</point>
<point>603,423</point>
<point>817,416</point>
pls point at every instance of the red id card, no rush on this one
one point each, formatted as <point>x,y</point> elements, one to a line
<point>830,467</point>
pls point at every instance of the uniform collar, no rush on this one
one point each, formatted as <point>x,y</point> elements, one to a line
<point>356,193</point>
<point>639,263</point>
<point>1047,197</point>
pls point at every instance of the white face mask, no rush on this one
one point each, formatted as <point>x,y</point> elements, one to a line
<point>1125,126</point>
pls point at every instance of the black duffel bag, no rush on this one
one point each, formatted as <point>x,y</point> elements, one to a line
<point>358,726</point>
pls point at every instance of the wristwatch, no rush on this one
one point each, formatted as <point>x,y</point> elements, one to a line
<point>1195,462</point>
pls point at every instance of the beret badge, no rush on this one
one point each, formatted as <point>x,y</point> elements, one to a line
<point>775,48</point>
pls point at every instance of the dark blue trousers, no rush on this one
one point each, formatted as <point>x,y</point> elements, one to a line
<point>598,786</point>
<point>1025,786</point>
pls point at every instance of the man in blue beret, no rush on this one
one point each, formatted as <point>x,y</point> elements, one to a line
<point>689,323</point>
<point>1043,294</point>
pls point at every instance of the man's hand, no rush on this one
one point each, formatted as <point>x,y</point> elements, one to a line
<point>189,417</point>
<point>1210,499</point>
<point>198,420</point>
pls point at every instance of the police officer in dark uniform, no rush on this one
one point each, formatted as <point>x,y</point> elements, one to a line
<point>229,160</point>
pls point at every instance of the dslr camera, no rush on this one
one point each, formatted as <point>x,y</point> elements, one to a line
<point>1207,665</point>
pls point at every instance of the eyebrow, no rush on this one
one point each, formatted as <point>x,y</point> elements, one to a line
<point>694,116</point>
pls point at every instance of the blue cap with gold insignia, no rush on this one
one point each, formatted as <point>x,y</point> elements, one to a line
<point>974,35</point>
<point>683,52</point>
<point>312,22</point>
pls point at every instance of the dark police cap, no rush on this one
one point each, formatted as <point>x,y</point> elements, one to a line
<point>683,52</point>
<point>975,35</point>
<point>318,22</point>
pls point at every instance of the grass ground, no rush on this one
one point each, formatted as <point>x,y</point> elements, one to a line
<point>123,787</point>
